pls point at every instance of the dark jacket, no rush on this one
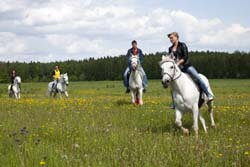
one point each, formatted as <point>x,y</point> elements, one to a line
<point>139,53</point>
<point>181,53</point>
<point>12,77</point>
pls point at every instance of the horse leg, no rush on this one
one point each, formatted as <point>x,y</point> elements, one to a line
<point>203,122</point>
<point>54,94</point>
<point>60,95</point>
<point>211,112</point>
<point>178,122</point>
<point>133,94</point>
<point>140,92</point>
<point>195,119</point>
<point>66,94</point>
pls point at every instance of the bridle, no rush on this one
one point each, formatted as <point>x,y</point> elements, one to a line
<point>173,78</point>
<point>137,63</point>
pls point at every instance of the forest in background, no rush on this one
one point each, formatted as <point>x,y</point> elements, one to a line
<point>215,65</point>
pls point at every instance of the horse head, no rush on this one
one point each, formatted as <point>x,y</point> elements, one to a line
<point>134,62</point>
<point>17,80</point>
<point>170,70</point>
<point>65,78</point>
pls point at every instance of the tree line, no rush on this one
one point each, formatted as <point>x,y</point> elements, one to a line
<point>212,64</point>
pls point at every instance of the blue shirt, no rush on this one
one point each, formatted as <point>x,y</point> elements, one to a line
<point>139,53</point>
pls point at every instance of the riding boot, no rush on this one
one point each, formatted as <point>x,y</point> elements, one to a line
<point>205,90</point>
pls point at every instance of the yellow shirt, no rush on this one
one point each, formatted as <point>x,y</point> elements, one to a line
<point>56,74</point>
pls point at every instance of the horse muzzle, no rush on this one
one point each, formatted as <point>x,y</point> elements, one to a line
<point>165,84</point>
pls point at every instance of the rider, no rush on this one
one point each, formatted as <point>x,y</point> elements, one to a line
<point>12,78</point>
<point>56,77</point>
<point>179,51</point>
<point>134,51</point>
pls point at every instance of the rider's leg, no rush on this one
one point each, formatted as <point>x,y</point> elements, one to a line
<point>144,78</point>
<point>195,75</point>
<point>172,105</point>
<point>126,79</point>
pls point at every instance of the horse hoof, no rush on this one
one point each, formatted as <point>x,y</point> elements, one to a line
<point>186,132</point>
<point>213,126</point>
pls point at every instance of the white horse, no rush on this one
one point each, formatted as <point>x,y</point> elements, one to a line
<point>61,86</point>
<point>16,88</point>
<point>186,94</point>
<point>135,81</point>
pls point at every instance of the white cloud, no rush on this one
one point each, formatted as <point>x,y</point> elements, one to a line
<point>61,29</point>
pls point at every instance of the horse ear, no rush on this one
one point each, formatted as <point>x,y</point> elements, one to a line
<point>163,57</point>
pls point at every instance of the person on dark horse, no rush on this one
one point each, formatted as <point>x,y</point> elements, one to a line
<point>134,51</point>
<point>179,52</point>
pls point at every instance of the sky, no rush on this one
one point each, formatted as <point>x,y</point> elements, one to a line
<point>57,30</point>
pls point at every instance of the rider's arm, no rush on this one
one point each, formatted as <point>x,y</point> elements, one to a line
<point>141,55</point>
<point>128,55</point>
<point>184,56</point>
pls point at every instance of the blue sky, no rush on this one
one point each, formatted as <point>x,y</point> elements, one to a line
<point>49,30</point>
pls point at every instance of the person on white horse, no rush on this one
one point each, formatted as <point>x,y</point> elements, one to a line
<point>185,93</point>
<point>15,85</point>
<point>12,78</point>
<point>60,83</point>
<point>138,52</point>
<point>179,53</point>
<point>56,77</point>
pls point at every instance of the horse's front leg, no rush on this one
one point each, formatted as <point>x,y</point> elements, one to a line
<point>133,96</point>
<point>66,94</point>
<point>178,122</point>
<point>140,96</point>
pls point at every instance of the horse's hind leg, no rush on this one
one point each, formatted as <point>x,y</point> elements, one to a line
<point>211,112</point>
<point>195,119</point>
<point>203,122</point>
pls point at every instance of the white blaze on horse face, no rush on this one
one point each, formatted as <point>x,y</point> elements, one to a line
<point>66,79</point>
<point>134,62</point>
<point>167,72</point>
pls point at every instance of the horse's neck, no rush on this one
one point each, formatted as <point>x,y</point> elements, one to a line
<point>178,84</point>
<point>135,74</point>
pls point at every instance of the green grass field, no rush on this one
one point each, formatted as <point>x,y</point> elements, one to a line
<point>98,126</point>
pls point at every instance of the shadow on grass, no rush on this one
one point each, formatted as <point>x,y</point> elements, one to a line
<point>168,128</point>
<point>123,102</point>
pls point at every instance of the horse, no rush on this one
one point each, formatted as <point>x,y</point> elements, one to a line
<point>187,96</point>
<point>61,86</point>
<point>135,81</point>
<point>16,88</point>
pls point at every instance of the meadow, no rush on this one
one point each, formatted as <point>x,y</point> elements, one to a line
<point>98,126</point>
